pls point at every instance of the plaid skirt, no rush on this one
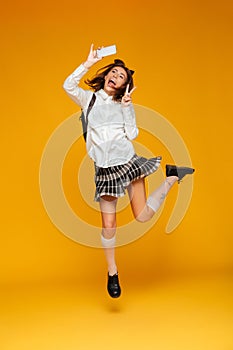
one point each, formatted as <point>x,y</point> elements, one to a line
<point>114,180</point>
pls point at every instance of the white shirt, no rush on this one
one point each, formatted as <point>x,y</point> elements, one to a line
<point>111,126</point>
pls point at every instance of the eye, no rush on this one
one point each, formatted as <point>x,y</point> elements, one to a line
<point>122,76</point>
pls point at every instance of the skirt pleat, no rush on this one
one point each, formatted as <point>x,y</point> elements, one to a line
<point>114,180</point>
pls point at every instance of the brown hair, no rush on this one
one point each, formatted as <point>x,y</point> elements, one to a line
<point>98,81</point>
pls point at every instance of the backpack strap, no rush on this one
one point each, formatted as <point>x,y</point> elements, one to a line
<point>91,104</point>
<point>85,120</point>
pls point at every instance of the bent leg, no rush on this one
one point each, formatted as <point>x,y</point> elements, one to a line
<point>137,195</point>
<point>143,209</point>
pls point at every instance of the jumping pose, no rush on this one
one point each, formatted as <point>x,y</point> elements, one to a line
<point>111,127</point>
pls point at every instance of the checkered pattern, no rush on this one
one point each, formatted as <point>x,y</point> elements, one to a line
<point>114,180</point>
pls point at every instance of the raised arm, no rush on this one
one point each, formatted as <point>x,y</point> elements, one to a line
<point>71,84</point>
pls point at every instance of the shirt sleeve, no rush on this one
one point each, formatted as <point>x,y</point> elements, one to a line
<point>131,129</point>
<point>76,93</point>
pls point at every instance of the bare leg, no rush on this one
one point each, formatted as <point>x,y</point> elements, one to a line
<point>108,213</point>
<point>143,209</point>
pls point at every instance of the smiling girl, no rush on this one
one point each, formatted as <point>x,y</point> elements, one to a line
<point>111,127</point>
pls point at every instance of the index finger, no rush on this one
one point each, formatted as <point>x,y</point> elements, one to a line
<point>130,92</point>
<point>91,48</point>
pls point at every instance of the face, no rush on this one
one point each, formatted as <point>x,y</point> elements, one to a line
<point>114,80</point>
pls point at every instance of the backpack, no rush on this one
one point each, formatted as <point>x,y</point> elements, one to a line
<point>85,120</point>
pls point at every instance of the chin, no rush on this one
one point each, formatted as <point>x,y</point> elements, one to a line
<point>109,90</point>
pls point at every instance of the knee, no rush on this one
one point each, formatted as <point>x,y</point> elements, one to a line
<point>109,228</point>
<point>144,215</point>
<point>109,224</point>
<point>142,218</point>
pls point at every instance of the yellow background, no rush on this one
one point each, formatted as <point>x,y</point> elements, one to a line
<point>182,54</point>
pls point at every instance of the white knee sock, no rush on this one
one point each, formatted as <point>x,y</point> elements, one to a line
<point>155,200</point>
<point>108,243</point>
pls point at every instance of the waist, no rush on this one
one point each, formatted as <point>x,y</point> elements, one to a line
<point>111,153</point>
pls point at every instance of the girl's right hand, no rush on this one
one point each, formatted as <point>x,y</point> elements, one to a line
<point>92,57</point>
<point>126,99</point>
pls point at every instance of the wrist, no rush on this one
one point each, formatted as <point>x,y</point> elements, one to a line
<point>87,64</point>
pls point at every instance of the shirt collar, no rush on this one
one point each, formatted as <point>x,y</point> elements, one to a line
<point>104,94</point>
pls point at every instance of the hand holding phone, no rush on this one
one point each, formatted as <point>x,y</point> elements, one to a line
<point>106,51</point>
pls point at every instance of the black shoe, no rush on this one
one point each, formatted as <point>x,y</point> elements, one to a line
<point>114,288</point>
<point>172,170</point>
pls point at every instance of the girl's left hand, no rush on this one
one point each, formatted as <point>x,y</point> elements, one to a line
<point>92,57</point>
<point>126,99</point>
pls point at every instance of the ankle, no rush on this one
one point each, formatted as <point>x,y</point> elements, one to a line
<point>171,180</point>
<point>112,270</point>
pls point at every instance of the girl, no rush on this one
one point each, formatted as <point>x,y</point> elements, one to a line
<point>111,127</point>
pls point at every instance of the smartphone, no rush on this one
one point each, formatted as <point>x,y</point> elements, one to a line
<point>106,51</point>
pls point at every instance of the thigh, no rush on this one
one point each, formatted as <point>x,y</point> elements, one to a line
<point>108,210</point>
<point>137,195</point>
